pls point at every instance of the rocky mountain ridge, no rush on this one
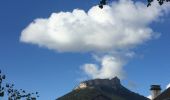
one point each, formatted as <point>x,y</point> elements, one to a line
<point>102,89</point>
<point>114,82</point>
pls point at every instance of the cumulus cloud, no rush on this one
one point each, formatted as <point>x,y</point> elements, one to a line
<point>116,28</point>
<point>109,68</point>
<point>121,25</point>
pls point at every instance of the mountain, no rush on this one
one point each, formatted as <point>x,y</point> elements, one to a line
<point>102,89</point>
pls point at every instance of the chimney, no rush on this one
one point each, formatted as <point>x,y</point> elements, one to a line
<point>155,91</point>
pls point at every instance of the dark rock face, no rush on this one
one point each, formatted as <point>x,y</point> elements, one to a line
<point>101,97</point>
<point>103,82</point>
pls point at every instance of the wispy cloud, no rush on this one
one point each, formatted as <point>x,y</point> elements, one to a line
<point>168,86</point>
<point>112,32</point>
<point>110,67</point>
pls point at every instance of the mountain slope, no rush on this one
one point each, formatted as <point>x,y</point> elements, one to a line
<point>87,94</point>
<point>102,89</point>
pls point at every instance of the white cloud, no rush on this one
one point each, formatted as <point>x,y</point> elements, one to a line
<point>116,28</point>
<point>168,86</point>
<point>122,25</point>
<point>109,68</point>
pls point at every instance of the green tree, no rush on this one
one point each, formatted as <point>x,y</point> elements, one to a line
<point>14,94</point>
<point>2,89</point>
<point>161,2</point>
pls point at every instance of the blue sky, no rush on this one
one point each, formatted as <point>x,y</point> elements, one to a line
<point>54,73</point>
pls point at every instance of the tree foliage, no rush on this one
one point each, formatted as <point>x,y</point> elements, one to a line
<point>102,3</point>
<point>2,89</point>
<point>14,94</point>
<point>161,2</point>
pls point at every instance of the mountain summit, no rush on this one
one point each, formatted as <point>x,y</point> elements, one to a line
<point>102,89</point>
<point>113,83</point>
